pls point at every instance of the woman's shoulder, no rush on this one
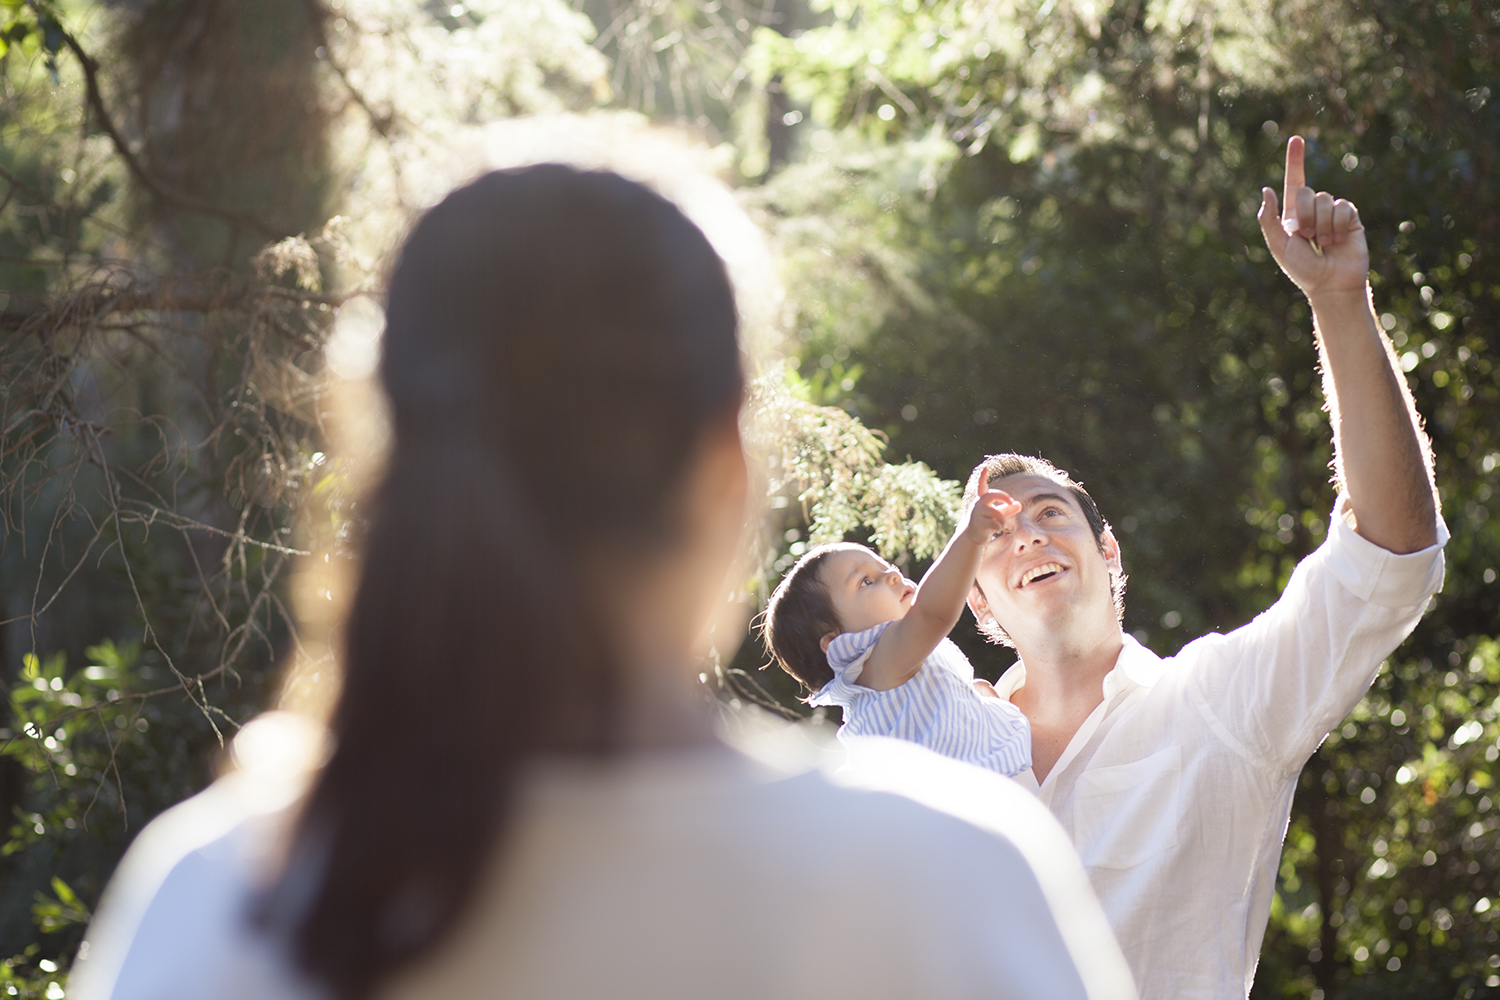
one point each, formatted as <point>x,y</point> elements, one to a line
<point>887,794</point>
<point>732,846</point>
<point>989,854</point>
<point>784,805</point>
<point>174,920</point>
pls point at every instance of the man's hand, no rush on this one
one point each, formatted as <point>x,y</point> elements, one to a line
<point>940,598</point>
<point>1380,455</point>
<point>1317,239</point>
<point>989,514</point>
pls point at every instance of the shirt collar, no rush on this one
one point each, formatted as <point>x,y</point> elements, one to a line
<point>1136,666</point>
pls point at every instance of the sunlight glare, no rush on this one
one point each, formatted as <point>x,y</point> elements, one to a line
<point>674,164</point>
<point>354,348</point>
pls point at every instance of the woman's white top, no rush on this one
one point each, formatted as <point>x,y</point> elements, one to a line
<point>684,874</point>
<point>937,707</point>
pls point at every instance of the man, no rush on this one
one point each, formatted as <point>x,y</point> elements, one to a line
<point>1175,777</point>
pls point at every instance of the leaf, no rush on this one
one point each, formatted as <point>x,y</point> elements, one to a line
<point>52,35</point>
<point>53,915</point>
<point>64,892</point>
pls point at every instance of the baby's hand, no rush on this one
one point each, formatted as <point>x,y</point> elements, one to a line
<point>989,514</point>
<point>985,689</point>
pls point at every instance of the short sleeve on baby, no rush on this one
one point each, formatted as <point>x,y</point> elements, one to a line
<point>936,707</point>
<point>847,654</point>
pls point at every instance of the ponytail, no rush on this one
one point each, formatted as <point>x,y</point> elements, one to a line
<point>467,663</point>
<point>548,330</point>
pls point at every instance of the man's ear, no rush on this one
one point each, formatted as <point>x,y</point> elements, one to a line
<point>827,639</point>
<point>978,604</point>
<point>1110,547</point>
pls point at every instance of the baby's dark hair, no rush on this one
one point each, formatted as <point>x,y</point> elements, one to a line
<point>797,617</point>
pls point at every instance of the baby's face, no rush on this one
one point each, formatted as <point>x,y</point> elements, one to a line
<point>865,589</point>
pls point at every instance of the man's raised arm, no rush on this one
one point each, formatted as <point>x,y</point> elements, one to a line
<point>1381,457</point>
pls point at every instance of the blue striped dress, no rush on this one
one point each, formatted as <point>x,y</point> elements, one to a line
<point>937,707</point>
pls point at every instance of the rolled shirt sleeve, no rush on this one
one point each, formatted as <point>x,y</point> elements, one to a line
<point>1273,689</point>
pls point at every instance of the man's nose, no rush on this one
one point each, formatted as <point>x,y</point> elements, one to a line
<point>1028,534</point>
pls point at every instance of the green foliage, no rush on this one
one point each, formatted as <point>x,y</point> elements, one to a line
<point>31,26</point>
<point>61,910</point>
<point>69,732</point>
<point>28,977</point>
<point>826,470</point>
<point>102,749</point>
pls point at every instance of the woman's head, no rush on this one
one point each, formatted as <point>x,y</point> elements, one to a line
<point>560,349</point>
<point>573,325</point>
<point>831,590</point>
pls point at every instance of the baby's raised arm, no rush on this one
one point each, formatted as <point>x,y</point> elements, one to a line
<point>940,597</point>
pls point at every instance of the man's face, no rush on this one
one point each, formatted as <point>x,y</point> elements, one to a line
<point>1045,573</point>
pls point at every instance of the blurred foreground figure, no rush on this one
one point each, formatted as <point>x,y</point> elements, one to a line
<point>525,797</point>
<point>1175,777</point>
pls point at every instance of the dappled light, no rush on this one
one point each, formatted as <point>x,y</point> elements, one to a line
<point>953,227</point>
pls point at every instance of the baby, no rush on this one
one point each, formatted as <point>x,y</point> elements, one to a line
<point>859,635</point>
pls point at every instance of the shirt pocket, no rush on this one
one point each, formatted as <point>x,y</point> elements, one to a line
<point>1127,813</point>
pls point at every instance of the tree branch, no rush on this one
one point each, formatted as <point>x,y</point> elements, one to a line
<point>381,122</point>
<point>99,303</point>
<point>138,169</point>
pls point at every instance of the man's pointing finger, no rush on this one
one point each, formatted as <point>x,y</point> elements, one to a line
<point>1296,177</point>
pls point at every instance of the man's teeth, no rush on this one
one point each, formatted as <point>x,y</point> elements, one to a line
<point>1045,569</point>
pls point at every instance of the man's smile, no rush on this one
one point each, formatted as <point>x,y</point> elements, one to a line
<point>1041,571</point>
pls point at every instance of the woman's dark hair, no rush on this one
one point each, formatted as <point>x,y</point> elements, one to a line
<point>797,617</point>
<point>557,344</point>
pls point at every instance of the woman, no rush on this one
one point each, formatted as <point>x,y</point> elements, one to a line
<point>526,797</point>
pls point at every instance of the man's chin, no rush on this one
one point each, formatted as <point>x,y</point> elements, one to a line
<point>1044,620</point>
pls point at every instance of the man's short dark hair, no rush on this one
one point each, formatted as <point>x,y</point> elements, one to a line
<point>1010,464</point>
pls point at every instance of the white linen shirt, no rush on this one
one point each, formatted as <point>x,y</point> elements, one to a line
<point>1177,789</point>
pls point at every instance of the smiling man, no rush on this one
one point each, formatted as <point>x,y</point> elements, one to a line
<point>1175,776</point>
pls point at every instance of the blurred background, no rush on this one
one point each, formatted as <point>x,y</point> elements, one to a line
<point>987,225</point>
